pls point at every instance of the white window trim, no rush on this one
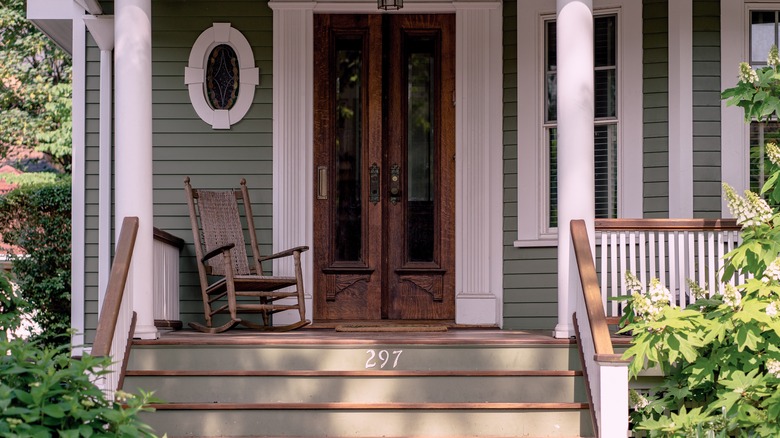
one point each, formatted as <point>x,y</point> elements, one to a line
<point>195,75</point>
<point>532,166</point>
<point>735,133</point>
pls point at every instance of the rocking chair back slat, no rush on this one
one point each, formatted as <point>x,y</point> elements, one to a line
<point>221,225</point>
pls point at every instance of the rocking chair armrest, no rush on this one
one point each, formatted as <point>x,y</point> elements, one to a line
<point>285,253</point>
<point>217,251</point>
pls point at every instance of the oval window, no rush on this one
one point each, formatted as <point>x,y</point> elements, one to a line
<point>222,77</point>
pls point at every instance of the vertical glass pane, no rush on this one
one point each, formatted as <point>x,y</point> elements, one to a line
<point>604,41</point>
<point>552,139</point>
<point>605,89</point>
<point>420,148</point>
<point>760,135</point>
<point>348,120</point>
<point>551,95</point>
<point>222,77</point>
<point>762,36</point>
<point>605,154</point>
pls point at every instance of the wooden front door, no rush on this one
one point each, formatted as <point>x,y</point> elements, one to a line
<point>384,162</point>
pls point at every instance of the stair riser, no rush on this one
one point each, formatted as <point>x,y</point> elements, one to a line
<point>308,423</point>
<point>358,358</point>
<point>361,389</point>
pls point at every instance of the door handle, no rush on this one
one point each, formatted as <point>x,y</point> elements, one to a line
<point>395,184</point>
<point>373,189</point>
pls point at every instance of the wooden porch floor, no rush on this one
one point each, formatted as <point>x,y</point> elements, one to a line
<point>328,336</point>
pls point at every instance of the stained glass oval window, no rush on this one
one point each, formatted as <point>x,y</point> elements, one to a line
<point>222,77</point>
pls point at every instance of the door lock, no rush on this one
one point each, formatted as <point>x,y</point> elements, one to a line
<point>395,184</point>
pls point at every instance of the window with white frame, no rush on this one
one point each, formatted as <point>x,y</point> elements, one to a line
<point>764,32</point>
<point>618,116</point>
<point>606,117</point>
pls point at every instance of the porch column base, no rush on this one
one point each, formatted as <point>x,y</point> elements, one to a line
<point>477,309</point>
<point>563,331</point>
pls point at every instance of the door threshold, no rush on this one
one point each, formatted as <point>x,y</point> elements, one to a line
<point>331,325</point>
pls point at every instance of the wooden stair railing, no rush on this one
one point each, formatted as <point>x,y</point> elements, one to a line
<point>605,372</point>
<point>112,301</point>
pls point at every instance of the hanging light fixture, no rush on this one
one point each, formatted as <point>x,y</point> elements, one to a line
<point>390,5</point>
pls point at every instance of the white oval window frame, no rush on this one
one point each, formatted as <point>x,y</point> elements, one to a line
<point>195,75</point>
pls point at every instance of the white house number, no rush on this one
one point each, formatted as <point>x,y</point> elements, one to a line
<point>381,359</point>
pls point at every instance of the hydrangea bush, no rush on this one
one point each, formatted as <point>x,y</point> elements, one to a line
<point>721,354</point>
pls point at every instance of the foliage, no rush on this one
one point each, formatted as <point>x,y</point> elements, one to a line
<point>721,354</point>
<point>35,89</point>
<point>36,219</point>
<point>45,393</point>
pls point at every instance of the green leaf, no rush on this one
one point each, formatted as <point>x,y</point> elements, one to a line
<point>55,411</point>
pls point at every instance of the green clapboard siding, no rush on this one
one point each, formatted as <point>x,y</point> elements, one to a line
<point>91,157</point>
<point>655,107</point>
<point>530,281</point>
<point>706,109</point>
<point>184,145</point>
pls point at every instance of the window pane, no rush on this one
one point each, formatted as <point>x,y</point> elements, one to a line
<point>348,119</point>
<point>552,139</point>
<point>605,93</point>
<point>605,152</point>
<point>421,63</point>
<point>550,66</point>
<point>604,41</point>
<point>760,135</point>
<point>762,36</point>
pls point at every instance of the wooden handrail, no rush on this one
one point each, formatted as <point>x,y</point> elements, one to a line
<point>667,224</point>
<point>116,287</point>
<point>592,293</point>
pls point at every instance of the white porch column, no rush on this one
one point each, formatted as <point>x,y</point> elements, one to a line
<point>576,186</point>
<point>133,152</point>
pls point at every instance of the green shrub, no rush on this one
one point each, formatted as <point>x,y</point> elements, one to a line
<point>44,392</point>
<point>721,354</point>
<point>36,219</point>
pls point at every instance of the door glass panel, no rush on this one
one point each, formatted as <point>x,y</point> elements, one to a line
<point>349,65</point>
<point>420,148</point>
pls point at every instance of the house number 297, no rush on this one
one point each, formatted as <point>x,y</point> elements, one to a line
<point>381,359</point>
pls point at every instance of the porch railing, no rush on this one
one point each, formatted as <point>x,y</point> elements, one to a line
<point>166,280</point>
<point>672,250</point>
<point>116,317</point>
<point>605,372</point>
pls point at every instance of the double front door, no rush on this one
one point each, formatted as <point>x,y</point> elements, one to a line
<point>384,162</point>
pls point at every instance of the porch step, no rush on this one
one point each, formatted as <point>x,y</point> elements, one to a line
<point>389,387</point>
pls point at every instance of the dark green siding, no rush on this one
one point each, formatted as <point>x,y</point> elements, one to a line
<point>706,109</point>
<point>184,145</point>
<point>655,107</point>
<point>91,163</point>
<point>530,280</point>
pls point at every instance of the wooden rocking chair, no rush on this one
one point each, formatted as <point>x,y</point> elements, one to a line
<point>221,256</point>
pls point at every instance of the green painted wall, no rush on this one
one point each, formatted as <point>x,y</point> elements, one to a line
<point>530,274</point>
<point>92,155</point>
<point>184,145</point>
<point>655,107</point>
<point>706,109</point>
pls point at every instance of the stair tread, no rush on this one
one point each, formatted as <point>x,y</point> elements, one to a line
<point>371,406</point>
<point>369,373</point>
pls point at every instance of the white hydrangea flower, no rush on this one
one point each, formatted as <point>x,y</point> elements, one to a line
<point>697,291</point>
<point>773,59</point>
<point>773,367</point>
<point>771,309</point>
<point>650,304</point>
<point>636,400</point>
<point>632,283</point>
<point>659,295</point>
<point>732,297</point>
<point>773,152</point>
<point>772,272</point>
<point>747,74</point>
<point>751,210</point>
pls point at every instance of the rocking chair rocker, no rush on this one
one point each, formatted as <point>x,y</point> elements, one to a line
<point>221,256</point>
